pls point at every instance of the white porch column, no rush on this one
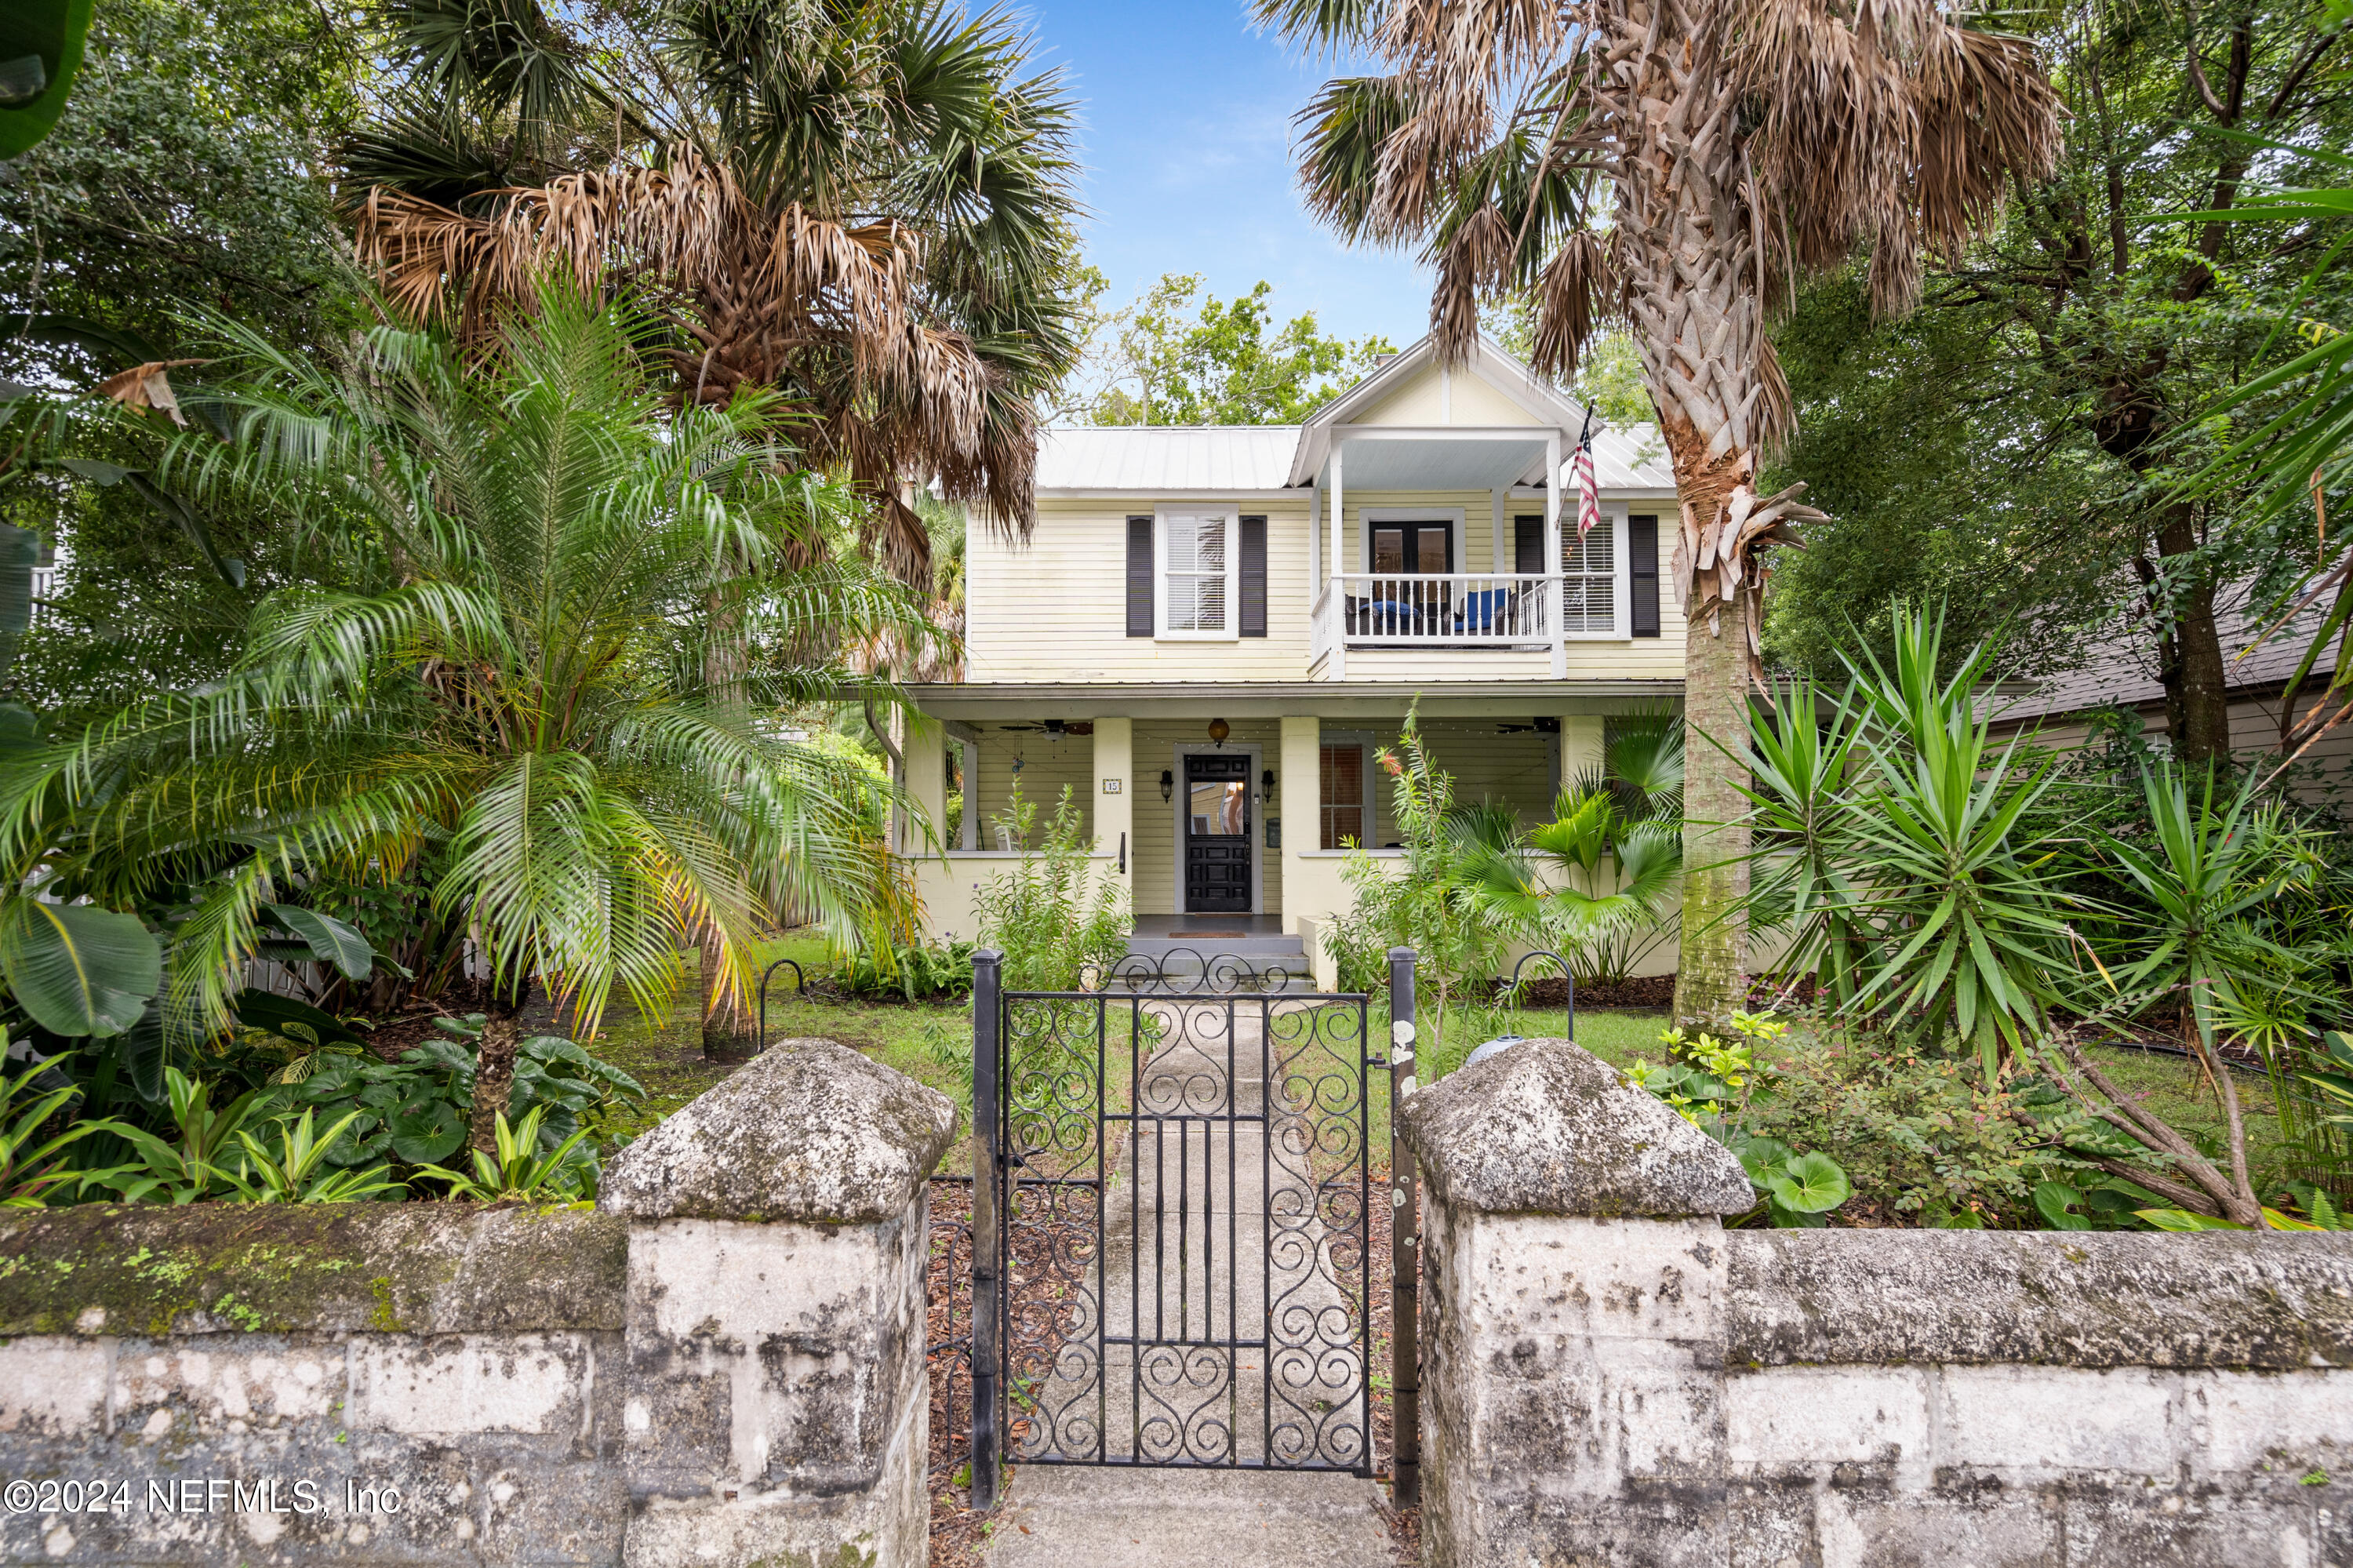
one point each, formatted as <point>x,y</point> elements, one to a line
<point>1339,560</point>
<point>1580,747</point>
<point>1115,799</point>
<point>1314,541</point>
<point>1299,788</point>
<point>922,743</point>
<point>1553,556</point>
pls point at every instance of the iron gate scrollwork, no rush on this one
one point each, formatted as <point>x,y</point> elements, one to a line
<point>1180,1274</point>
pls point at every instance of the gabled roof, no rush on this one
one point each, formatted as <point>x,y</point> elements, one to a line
<point>1094,459</point>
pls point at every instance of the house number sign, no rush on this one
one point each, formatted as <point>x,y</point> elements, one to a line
<point>1110,785</point>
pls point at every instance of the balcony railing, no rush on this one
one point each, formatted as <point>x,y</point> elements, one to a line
<point>1430,609</point>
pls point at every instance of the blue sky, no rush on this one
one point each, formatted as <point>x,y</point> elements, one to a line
<point>1186,115</point>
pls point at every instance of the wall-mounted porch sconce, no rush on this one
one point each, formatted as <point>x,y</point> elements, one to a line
<point>1219,730</point>
<point>1266,786</point>
<point>1168,785</point>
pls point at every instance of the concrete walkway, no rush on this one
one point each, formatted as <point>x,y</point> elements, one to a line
<point>1185,1372</point>
<point>1068,1517</point>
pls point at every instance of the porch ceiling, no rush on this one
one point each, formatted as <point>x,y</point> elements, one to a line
<point>1276,699</point>
<point>1384,462</point>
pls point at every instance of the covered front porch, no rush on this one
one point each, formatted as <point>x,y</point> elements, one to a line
<point>1224,817</point>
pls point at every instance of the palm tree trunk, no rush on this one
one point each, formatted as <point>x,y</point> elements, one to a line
<point>729,1030</point>
<point>1711,975</point>
<point>1686,248</point>
<point>494,1065</point>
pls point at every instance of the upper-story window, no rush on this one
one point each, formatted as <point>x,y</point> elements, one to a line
<point>1199,589</point>
<point>1589,568</point>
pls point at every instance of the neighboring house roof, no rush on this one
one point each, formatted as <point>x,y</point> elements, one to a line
<point>1088,459</point>
<point>2119,667</point>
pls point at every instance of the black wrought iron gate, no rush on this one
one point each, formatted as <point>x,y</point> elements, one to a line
<point>1171,1227</point>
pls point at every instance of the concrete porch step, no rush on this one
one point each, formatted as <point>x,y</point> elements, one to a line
<point>1255,944</point>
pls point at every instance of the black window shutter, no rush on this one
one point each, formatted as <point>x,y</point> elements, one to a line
<point>1527,546</point>
<point>1253,584</point>
<point>1642,573</point>
<point>1139,576</point>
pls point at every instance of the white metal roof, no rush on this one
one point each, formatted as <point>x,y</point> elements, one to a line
<point>1095,460</point>
<point>1163,458</point>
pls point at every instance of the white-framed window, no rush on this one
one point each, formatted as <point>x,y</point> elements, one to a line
<point>1347,808</point>
<point>1593,575</point>
<point>1199,584</point>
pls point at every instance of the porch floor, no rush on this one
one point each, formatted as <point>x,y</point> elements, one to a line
<point>1208,925</point>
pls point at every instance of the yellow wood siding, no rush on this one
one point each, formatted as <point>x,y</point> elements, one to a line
<point>1050,764</point>
<point>1155,863</point>
<point>1055,609</point>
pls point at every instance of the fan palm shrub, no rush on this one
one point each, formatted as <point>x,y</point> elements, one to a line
<point>1677,166</point>
<point>1599,879</point>
<point>519,681</point>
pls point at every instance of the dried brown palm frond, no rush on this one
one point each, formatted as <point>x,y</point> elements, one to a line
<point>794,299</point>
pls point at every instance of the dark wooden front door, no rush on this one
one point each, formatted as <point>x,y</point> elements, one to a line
<point>1218,834</point>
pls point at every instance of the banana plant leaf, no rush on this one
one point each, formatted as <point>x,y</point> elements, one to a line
<point>76,969</point>
<point>40,53</point>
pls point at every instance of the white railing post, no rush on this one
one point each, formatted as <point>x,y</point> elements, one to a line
<point>1553,553</point>
<point>1339,552</point>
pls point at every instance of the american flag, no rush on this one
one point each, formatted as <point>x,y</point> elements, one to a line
<point>1588,494</point>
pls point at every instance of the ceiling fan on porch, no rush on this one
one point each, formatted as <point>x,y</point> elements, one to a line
<point>1539,727</point>
<point>1053,727</point>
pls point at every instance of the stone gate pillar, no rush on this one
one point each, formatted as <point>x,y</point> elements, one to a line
<point>1572,1308</point>
<point>777,1409</point>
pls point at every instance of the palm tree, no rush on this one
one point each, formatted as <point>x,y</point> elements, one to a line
<point>866,204</point>
<point>1677,165</point>
<point>862,203</point>
<point>519,679</point>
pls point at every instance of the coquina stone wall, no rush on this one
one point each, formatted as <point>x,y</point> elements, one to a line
<point>1611,1377</point>
<point>722,1364</point>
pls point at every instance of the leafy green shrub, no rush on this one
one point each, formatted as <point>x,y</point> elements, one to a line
<point>1714,1085</point>
<point>1057,927</point>
<point>416,1110</point>
<point>522,1168</point>
<point>295,1168</point>
<point>182,1169</point>
<point>913,973</point>
<point>33,1166</point>
<point>1918,1136</point>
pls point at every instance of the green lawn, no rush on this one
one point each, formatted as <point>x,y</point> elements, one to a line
<point>931,1041</point>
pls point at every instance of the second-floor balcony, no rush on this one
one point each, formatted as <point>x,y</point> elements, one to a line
<point>1448,610</point>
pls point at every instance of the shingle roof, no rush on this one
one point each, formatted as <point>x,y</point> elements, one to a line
<point>1093,459</point>
<point>2119,667</point>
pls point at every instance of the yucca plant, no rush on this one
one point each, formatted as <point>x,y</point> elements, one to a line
<point>1899,824</point>
<point>2206,866</point>
<point>519,678</point>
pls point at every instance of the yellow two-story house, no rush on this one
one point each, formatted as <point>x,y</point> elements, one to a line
<point>1211,631</point>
